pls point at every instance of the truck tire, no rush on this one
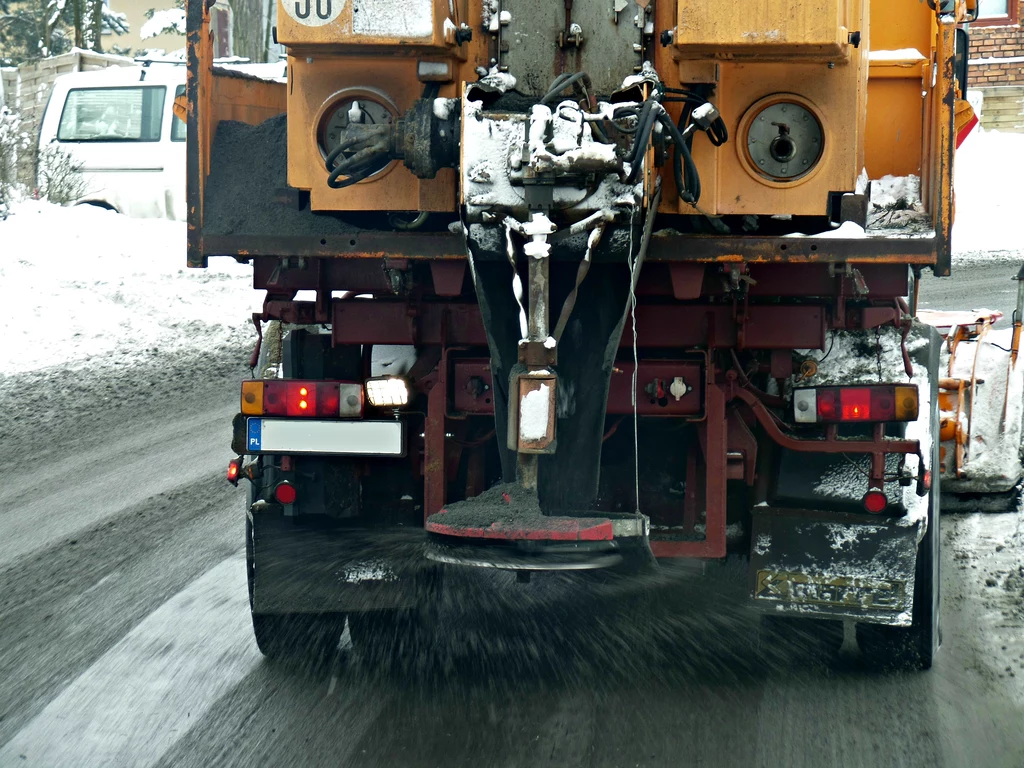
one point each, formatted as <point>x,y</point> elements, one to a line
<point>911,647</point>
<point>282,636</point>
<point>914,647</point>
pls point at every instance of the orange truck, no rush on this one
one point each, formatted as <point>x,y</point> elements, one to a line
<point>577,286</point>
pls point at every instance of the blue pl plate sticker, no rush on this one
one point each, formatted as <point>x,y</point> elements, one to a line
<point>255,434</point>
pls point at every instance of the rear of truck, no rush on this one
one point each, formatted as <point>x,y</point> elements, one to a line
<point>583,285</point>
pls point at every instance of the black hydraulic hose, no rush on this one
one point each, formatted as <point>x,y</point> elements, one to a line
<point>645,124</point>
<point>357,167</point>
<point>686,176</point>
<point>629,111</point>
<point>562,82</point>
<point>354,142</point>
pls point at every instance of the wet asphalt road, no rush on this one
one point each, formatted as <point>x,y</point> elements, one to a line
<point>974,286</point>
<point>124,635</point>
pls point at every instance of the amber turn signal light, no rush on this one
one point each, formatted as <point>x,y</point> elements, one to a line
<point>252,398</point>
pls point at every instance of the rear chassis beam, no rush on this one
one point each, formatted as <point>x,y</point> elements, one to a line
<point>786,307</point>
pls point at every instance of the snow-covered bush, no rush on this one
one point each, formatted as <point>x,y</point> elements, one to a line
<point>166,22</point>
<point>60,177</point>
<point>13,141</point>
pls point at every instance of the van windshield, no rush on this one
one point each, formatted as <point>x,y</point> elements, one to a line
<point>112,114</point>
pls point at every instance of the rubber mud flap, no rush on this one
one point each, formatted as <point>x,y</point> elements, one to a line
<point>238,434</point>
<point>308,568</point>
<point>568,479</point>
<point>833,565</point>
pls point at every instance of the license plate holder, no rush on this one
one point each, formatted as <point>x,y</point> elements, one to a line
<point>322,437</point>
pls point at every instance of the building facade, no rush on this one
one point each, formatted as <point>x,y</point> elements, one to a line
<point>997,63</point>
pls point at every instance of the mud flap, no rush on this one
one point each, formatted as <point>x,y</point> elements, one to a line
<point>833,566</point>
<point>320,569</point>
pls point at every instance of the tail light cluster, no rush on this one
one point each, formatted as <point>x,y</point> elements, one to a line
<point>874,403</point>
<point>318,399</point>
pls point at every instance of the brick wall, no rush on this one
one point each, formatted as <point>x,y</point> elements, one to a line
<point>998,42</point>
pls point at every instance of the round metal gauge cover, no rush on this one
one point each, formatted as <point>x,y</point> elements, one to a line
<point>343,113</point>
<point>784,141</point>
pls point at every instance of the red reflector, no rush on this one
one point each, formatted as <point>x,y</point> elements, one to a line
<point>285,493</point>
<point>875,502</point>
<point>828,404</point>
<point>857,404</point>
<point>927,479</point>
<point>234,467</point>
<point>302,398</point>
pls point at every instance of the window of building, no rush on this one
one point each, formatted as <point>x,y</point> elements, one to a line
<point>997,12</point>
<point>112,114</point>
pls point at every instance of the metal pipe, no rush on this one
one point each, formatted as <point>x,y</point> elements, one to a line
<point>538,315</point>
<point>538,273</point>
<point>1018,318</point>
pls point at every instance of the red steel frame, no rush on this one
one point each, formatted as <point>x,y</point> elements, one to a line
<point>819,302</point>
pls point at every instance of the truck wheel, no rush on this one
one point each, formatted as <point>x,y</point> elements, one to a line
<point>910,647</point>
<point>914,647</point>
<point>280,636</point>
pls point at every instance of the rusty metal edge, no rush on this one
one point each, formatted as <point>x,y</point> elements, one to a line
<point>197,257</point>
<point>683,248</point>
<point>789,250</point>
<point>946,150</point>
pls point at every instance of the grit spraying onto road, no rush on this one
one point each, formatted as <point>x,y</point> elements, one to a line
<point>124,626</point>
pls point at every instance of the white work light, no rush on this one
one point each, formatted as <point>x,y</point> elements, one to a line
<point>387,392</point>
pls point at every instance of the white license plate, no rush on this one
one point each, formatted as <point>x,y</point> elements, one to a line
<point>349,438</point>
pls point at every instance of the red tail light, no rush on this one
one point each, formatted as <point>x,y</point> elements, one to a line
<point>285,493</point>
<point>303,398</point>
<point>875,502</point>
<point>234,470</point>
<point>875,403</point>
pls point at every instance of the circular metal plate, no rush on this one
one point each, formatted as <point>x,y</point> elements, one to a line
<point>784,140</point>
<point>355,105</point>
<point>482,557</point>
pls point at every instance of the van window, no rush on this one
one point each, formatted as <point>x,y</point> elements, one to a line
<point>112,114</point>
<point>178,125</point>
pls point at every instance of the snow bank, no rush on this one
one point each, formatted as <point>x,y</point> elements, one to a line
<point>988,172</point>
<point>87,286</point>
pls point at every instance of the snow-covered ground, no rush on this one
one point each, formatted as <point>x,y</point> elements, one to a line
<point>989,183</point>
<point>87,287</point>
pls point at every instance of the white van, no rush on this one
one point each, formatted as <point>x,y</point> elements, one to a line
<point>119,123</point>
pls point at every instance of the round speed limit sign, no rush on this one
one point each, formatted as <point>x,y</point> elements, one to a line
<point>314,13</point>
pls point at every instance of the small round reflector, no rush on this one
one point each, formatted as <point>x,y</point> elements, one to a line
<point>875,502</point>
<point>285,493</point>
<point>927,479</point>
